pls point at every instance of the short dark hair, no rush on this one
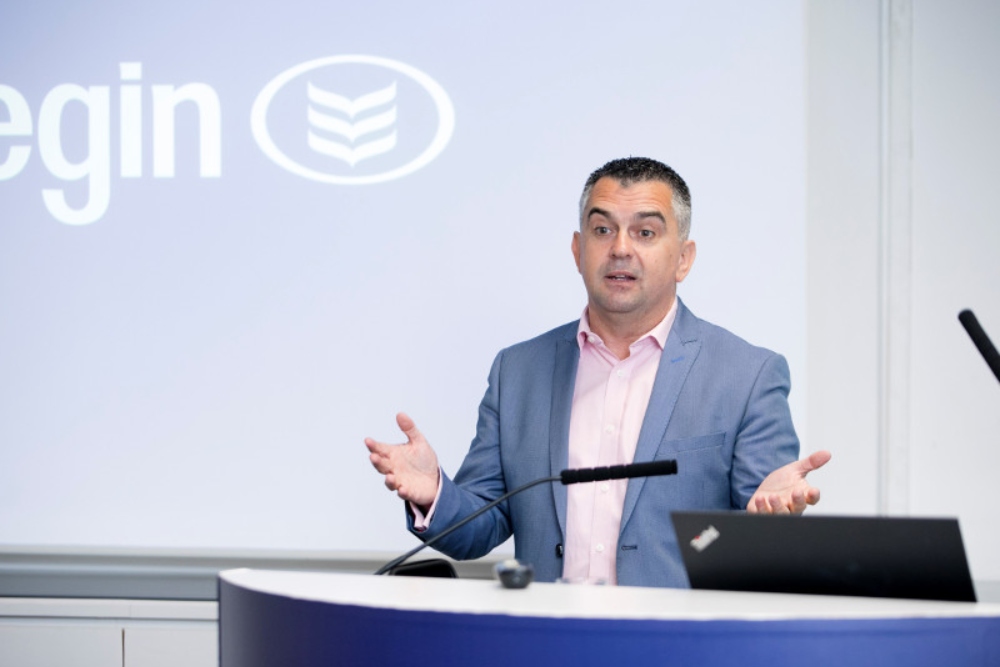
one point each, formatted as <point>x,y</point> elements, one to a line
<point>631,170</point>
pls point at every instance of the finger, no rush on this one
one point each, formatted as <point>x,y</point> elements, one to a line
<point>778,505</point>
<point>762,505</point>
<point>381,463</point>
<point>798,501</point>
<point>378,454</point>
<point>409,427</point>
<point>812,495</point>
<point>390,482</point>
<point>374,446</point>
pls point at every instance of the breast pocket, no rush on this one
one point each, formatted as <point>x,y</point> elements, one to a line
<point>702,480</point>
<point>691,444</point>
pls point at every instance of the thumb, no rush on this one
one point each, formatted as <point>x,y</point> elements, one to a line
<point>408,427</point>
<point>814,461</point>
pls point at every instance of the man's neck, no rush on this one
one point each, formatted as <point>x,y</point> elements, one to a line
<point>618,333</point>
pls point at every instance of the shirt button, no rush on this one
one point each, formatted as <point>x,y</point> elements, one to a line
<point>599,548</point>
<point>609,428</point>
<point>620,373</point>
<point>604,487</point>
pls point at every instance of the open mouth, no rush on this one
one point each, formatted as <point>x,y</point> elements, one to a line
<point>620,276</point>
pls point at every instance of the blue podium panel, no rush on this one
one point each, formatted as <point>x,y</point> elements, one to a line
<point>271,619</point>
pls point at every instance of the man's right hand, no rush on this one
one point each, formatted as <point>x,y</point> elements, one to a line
<point>411,469</point>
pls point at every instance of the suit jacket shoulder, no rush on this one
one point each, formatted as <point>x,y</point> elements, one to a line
<point>689,327</point>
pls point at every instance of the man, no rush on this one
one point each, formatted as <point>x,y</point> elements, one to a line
<point>638,378</point>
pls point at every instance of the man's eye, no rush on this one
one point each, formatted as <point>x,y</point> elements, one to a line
<point>647,233</point>
<point>602,231</point>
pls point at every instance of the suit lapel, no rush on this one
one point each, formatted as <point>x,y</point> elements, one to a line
<point>678,356</point>
<point>567,358</point>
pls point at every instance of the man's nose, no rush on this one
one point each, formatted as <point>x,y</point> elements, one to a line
<point>622,246</point>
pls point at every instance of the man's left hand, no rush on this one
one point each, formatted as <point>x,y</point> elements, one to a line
<point>786,491</point>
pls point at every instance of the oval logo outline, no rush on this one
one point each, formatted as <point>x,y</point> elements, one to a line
<point>443,104</point>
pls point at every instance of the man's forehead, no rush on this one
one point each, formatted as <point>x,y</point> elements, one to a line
<point>611,195</point>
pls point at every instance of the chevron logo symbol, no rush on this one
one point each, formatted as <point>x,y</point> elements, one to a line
<point>352,129</point>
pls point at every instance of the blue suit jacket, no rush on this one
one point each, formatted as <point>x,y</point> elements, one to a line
<point>719,406</point>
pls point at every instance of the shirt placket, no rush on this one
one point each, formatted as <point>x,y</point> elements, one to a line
<point>609,495</point>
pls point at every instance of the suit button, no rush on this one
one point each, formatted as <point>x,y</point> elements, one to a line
<point>559,551</point>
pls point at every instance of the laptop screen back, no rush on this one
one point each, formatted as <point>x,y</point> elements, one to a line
<point>825,555</point>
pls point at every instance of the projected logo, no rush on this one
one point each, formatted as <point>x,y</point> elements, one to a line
<point>352,119</point>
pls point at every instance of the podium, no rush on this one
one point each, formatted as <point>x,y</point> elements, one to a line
<point>299,619</point>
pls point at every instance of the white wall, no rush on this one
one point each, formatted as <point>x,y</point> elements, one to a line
<point>903,147</point>
<point>954,399</point>
<point>843,250</point>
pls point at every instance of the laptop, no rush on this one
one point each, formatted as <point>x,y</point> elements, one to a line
<point>825,555</point>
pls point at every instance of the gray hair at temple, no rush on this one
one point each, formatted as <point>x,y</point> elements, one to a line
<point>631,170</point>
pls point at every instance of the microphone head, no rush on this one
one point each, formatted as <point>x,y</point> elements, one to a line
<point>968,319</point>
<point>981,340</point>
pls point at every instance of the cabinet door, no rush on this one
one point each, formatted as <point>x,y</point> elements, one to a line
<point>172,644</point>
<point>57,643</point>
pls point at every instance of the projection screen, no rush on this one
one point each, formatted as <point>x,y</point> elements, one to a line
<point>235,239</point>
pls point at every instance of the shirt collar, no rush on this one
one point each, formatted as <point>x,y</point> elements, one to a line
<point>658,333</point>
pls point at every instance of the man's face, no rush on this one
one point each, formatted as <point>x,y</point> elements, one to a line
<point>630,254</point>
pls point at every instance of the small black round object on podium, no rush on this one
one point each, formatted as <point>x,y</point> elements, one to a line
<point>514,574</point>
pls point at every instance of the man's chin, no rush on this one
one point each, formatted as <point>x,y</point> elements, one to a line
<point>615,306</point>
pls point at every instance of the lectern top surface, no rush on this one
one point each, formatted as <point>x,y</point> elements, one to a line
<point>584,601</point>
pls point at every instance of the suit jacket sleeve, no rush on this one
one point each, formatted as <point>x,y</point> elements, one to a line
<point>479,481</point>
<point>766,439</point>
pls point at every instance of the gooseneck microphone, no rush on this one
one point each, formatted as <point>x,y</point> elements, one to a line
<point>982,341</point>
<point>648,469</point>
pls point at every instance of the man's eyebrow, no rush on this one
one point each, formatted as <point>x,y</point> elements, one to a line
<point>595,210</point>
<point>642,215</point>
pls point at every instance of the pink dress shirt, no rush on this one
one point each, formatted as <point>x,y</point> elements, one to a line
<point>609,404</point>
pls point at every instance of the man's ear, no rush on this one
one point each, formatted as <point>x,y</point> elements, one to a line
<point>576,249</point>
<point>686,259</point>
